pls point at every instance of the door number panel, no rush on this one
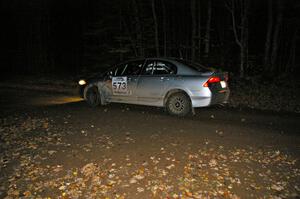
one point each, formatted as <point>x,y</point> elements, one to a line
<point>120,86</point>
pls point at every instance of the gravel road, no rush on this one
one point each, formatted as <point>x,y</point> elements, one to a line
<point>54,146</point>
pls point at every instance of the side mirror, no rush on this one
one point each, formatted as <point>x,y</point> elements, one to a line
<point>109,74</point>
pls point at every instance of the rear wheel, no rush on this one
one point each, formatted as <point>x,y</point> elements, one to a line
<point>93,97</point>
<point>178,104</point>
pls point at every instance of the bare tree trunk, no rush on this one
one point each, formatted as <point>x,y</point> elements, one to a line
<point>246,44</point>
<point>244,34</point>
<point>155,28</point>
<point>180,53</point>
<point>37,47</point>
<point>236,37</point>
<point>199,30</point>
<point>193,13</point>
<point>269,34</point>
<point>165,26</point>
<point>207,34</point>
<point>242,40</point>
<point>276,35</point>
<point>291,63</point>
<point>131,38</point>
<point>138,28</point>
<point>120,30</point>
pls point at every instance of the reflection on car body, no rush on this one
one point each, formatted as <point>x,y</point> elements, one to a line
<point>173,83</point>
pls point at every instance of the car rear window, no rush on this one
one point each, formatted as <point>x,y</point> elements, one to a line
<point>159,67</point>
<point>164,68</point>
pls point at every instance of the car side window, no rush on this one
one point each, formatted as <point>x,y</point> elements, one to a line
<point>148,69</point>
<point>164,68</point>
<point>120,70</point>
<point>133,68</point>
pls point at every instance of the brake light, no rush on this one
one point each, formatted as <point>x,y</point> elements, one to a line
<point>211,80</point>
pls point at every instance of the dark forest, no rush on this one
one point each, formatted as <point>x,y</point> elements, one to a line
<point>245,37</point>
<point>107,99</point>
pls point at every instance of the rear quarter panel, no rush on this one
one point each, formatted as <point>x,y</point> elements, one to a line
<point>192,85</point>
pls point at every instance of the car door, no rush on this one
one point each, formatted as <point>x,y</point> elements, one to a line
<point>124,82</point>
<point>154,79</point>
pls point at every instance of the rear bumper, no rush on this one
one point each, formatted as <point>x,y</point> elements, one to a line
<point>220,97</point>
<point>210,98</point>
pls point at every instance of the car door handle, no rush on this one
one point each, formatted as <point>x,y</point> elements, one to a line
<point>131,79</point>
<point>164,78</point>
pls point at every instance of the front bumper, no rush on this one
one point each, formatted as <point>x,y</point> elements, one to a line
<point>81,90</point>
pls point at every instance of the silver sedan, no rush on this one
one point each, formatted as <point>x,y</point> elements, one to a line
<point>177,85</point>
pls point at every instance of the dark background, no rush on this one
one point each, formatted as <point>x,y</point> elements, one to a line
<point>75,36</point>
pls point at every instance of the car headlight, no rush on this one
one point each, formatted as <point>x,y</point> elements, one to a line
<point>81,82</point>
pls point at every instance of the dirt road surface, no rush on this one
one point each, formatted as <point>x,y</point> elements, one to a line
<point>54,146</point>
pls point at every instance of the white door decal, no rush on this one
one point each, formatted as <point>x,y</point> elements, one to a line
<point>119,86</point>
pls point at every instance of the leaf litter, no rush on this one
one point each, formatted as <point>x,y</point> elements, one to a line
<point>211,171</point>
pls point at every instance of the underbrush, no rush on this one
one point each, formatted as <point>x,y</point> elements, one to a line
<point>281,94</point>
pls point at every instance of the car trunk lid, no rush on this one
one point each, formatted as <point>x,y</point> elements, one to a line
<point>217,81</point>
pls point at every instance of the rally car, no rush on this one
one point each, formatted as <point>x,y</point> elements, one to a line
<point>176,84</point>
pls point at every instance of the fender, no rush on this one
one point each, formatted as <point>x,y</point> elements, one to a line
<point>98,85</point>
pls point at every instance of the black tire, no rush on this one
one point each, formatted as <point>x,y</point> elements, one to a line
<point>179,104</point>
<point>93,97</point>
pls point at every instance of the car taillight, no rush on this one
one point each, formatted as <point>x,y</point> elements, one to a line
<point>211,80</point>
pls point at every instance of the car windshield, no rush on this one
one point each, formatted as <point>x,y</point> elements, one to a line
<point>195,66</point>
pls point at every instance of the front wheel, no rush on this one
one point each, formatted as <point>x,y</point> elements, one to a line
<point>178,104</point>
<point>93,97</point>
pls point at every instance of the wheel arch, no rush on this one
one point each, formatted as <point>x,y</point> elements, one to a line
<point>175,90</point>
<point>94,85</point>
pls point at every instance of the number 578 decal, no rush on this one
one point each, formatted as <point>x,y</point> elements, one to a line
<point>119,85</point>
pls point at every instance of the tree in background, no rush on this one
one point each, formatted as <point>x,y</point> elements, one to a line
<point>165,26</point>
<point>240,31</point>
<point>269,34</point>
<point>199,30</point>
<point>138,28</point>
<point>208,28</point>
<point>194,29</point>
<point>70,35</point>
<point>155,23</point>
<point>276,36</point>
